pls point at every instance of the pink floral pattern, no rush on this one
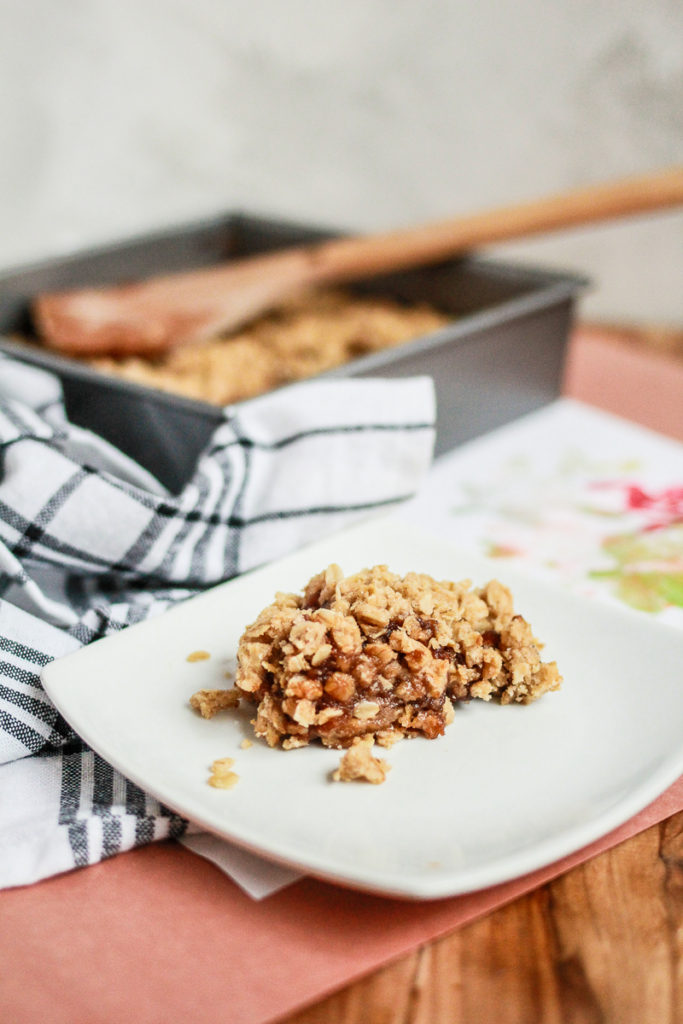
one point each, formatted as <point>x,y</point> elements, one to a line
<point>648,569</point>
<point>575,496</point>
<point>664,507</point>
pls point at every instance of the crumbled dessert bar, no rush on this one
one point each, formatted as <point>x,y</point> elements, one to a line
<point>377,654</point>
<point>222,776</point>
<point>305,336</point>
<point>210,702</point>
<point>358,764</point>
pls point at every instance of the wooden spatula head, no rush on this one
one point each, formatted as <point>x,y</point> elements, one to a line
<point>150,317</point>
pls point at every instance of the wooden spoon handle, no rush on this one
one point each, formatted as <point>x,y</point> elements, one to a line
<point>349,258</point>
<point>151,316</point>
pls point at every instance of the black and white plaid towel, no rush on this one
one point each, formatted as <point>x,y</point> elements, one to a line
<point>90,543</point>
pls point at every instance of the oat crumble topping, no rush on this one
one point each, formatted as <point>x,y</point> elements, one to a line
<point>305,336</point>
<point>382,656</point>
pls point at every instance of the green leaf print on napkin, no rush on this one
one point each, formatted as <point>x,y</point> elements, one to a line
<point>649,569</point>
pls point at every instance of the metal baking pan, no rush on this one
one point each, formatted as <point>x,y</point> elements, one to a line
<point>500,357</point>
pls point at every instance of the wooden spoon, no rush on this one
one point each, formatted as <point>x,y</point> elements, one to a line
<point>149,317</point>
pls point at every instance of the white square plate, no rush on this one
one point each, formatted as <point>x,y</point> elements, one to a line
<point>507,790</point>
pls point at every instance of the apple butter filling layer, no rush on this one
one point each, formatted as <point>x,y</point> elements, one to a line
<point>382,655</point>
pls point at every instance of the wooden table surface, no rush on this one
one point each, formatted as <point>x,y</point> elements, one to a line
<point>604,942</point>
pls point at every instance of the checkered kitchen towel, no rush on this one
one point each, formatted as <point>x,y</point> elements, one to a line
<point>90,543</point>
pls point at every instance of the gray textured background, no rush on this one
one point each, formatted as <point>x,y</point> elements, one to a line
<point>118,115</point>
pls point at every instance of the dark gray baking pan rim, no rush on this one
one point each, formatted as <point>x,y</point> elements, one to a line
<point>552,287</point>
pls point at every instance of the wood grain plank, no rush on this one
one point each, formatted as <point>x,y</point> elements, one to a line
<point>602,944</point>
<point>671,853</point>
<point>613,936</point>
<point>380,998</point>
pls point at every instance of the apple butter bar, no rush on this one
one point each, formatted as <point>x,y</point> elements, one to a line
<point>381,655</point>
<point>303,337</point>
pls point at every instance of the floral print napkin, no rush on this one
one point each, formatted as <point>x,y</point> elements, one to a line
<point>572,494</point>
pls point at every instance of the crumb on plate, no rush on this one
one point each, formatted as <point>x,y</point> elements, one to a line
<point>222,776</point>
<point>210,702</point>
<point>198,656</point>
<point>359,765</point>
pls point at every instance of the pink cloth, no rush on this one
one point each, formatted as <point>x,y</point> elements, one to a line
<point>626,379</point>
